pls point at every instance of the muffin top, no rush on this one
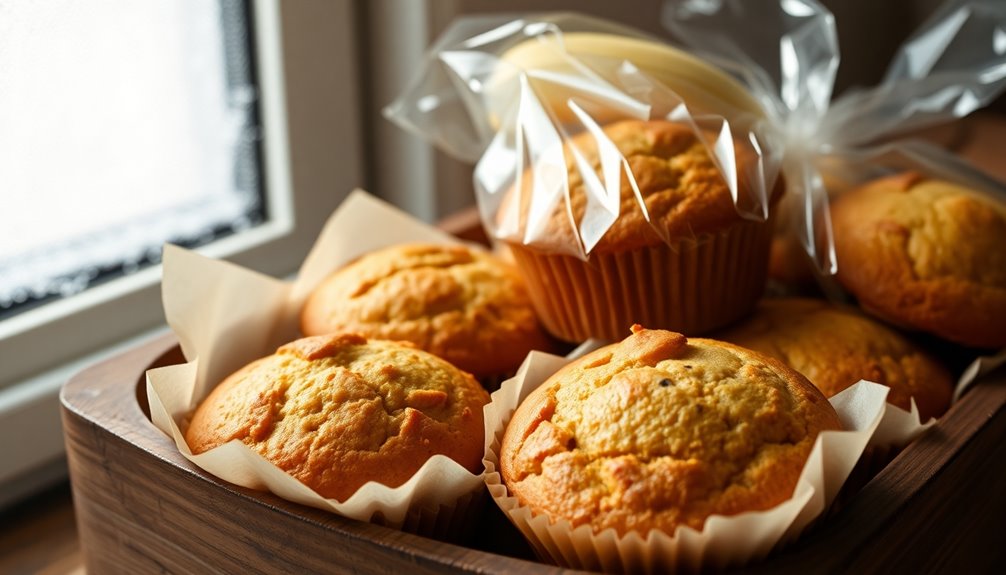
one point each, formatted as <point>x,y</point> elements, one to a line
<point>457,302</point>
<point>659,431</point>
<point>926,254</point>
<point>835,347</point>
<point>671,173</point>
<point>340,410</point>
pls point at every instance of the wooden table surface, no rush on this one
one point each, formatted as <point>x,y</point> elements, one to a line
<point>39,535</point>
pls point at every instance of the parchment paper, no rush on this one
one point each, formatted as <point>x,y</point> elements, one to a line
<point>226,316</point>
<point>724,540</point>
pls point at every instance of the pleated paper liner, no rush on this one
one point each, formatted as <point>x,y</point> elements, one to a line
<point>899,427</point>
<point>226,316</point>
<point>452,523</point>
<point>691,286</point>
<point>723,541</point>
<point>439,500</point>
<point>896,430</point>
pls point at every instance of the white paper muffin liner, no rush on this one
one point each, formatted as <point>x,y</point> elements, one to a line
<point>724,541</point>
<point>226,316</point>
<point>899,427</point>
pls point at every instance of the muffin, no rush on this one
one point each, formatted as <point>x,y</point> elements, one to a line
<point>339,410</point>
<point>790,270</point>
<point>925,254</point>
<point>688,262</point>
<point>659,431</point>
<point>454,301</point>
<point>835,347</point>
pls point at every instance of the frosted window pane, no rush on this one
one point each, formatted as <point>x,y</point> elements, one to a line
<point>123,125</point>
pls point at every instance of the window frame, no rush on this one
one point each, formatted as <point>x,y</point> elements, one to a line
<point>306,61</point>
<point>38,339</point>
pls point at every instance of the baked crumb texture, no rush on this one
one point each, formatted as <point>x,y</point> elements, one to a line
<point>339,410</point>
<point>669,169</point>
<point>456,302</point>
<point>659,431</point>
<point>684,193</point>
<point>835,347</point>
<point>926,254</point>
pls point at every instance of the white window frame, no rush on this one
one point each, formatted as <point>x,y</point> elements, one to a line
<point>307,73</point>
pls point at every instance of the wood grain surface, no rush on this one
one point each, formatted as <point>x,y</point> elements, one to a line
<point>39,536</point>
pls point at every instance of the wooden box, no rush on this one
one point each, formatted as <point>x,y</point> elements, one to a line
<point>939,506</point>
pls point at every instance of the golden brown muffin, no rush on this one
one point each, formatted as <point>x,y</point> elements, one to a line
<point>690,262</point>
<point>457,302</point>
<point>660,431</point>
<point>685,195</point>
<point>835,347</point>
<point>925,254</point>
<point>789,266</point>
<point>339,410</point>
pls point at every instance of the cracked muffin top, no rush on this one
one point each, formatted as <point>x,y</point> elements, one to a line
<point>925,254</point>
<point>672,174</point>
<point>835,347</point>
<point>339,410</point>
<point>660,431</point>
<point>454,301</point>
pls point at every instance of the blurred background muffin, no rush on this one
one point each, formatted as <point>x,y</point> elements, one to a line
<point>455,301</point>
<point>835,347</point>
<point>927,255</point>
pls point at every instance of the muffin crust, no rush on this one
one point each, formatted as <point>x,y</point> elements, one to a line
<point>456,302</point>
<point>672,173</point>
<point>926,254</point>
<point>835,347</point>
<point>660,431</point>
<point>339,410</point>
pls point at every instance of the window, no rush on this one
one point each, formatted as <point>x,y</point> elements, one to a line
<point>247,155</point>
<point>308,128</point>
<point>145,136</point>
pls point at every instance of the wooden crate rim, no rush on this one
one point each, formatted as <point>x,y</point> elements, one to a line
<point>109,396</point>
